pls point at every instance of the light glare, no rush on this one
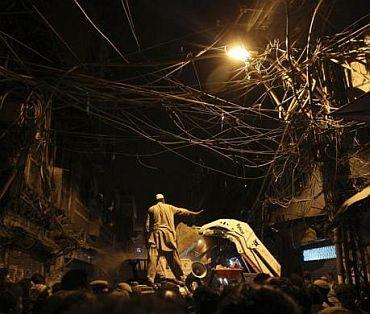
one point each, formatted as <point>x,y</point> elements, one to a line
<point>238,53</point>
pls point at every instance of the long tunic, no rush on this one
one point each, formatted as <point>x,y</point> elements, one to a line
<point>160,225</point>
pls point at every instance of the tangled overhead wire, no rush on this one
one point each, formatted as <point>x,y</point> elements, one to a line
<point>272,117</point>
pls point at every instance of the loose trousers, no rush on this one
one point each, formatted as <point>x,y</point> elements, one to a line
<point>173,260</point>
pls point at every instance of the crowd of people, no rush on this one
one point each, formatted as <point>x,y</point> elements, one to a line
<point>75,294</point>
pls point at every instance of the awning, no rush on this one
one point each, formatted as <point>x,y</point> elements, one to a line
<point>363,194</point>
<point>359,109</point>
<point>354,199</point>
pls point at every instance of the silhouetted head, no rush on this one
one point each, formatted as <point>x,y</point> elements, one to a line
<point>346,295</point>
<point>258,299</point>
<point>139,305</point>
<point>298,294</point>
<point>296,280</point>
<point>335,310</point>
<point>37,278</point>
<point>4,275</point>
<point>206,300</point>
<point>64,301</point>
<point>75,279</point>
<point>99,287</point>
<point>261,278</point>
<point>56,287</point>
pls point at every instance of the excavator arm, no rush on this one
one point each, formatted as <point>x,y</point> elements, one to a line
<point>253,252</point>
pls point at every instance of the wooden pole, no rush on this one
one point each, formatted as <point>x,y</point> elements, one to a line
<point>364,266</point>
<point>339,252</point>
<point>347,260</point>
<point>354,257</point>
<point>362,248</point>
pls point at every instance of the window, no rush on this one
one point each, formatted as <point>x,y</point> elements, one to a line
<point>320,253</point>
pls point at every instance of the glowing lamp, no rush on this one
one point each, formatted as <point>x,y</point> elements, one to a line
<point>239,53</point>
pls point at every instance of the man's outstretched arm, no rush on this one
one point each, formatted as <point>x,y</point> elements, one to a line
<point>183,211</point>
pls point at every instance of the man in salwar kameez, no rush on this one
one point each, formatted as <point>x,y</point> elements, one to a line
<point>161,237</point>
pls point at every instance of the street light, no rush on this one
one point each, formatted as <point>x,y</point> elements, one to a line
<point>238,52</point>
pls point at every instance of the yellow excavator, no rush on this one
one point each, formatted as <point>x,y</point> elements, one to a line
<point>226,250</point>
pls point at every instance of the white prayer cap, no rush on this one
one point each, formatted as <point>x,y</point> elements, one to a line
<point>159,197</point>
